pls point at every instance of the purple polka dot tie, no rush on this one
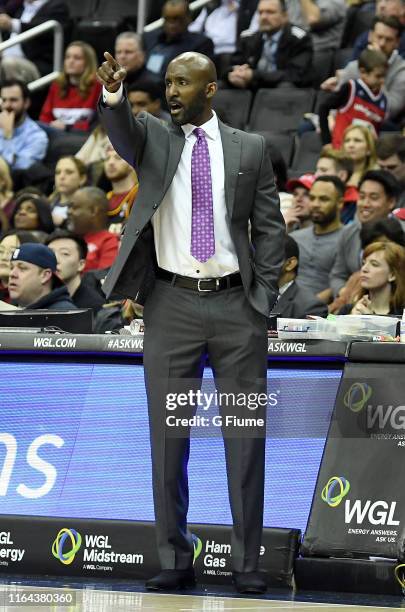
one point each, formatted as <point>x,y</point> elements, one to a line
<point>202,222</point>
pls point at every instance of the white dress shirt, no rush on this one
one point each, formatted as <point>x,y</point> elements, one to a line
<point>172,220</point>
<point>220,26</point>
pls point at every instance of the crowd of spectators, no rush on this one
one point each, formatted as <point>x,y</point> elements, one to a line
<point>65,194</point>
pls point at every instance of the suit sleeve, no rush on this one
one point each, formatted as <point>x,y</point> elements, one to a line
<point>126,133</point>
<point>267,233</point>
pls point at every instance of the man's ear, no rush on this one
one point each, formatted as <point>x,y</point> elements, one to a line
<point>27,103</point>
<point>211,89</point>
<point>82,264</point>
<point>46,276</point>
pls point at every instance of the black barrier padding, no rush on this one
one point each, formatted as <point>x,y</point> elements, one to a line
<point>358,508</point>
<point>122,549</point>
<point>401,547</point>
<point>346,575</point>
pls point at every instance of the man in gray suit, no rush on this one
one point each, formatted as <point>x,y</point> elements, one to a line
<point>202,249</point>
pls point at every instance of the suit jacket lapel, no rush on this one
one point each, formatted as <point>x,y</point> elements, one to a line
<point>177,141</point>
<point>231,145</point>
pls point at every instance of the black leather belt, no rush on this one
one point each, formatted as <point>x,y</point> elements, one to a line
<point>200,284</point>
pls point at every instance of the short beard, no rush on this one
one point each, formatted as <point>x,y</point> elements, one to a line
<point>195,109</point>
<point>326,219</point>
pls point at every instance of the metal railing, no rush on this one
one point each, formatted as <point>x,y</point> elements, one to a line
<point>57,49</point>
<point>194,6</point>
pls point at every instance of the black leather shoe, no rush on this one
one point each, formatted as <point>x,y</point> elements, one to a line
<point>172,580</point>
<point>249,582</point>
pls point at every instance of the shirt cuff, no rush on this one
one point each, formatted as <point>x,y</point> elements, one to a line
<point>16,26</point>
<point>112,98</point>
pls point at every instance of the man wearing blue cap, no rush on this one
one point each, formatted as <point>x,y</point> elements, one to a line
<point>33,282</point>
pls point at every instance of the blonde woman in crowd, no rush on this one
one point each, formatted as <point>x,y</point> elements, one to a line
<point>359,144</point>
<point>72,99</point>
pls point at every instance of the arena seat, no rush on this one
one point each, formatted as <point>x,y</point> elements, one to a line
<point>307,151</point>
<point>60,145</point>
<point>280,110</point>
<point>284,142</point>
<point>79,9</point>
<point>320,97</point>
<point>341,58</point>
<point>107,19</point>
<point>233,106</point>
<point>322,66</point>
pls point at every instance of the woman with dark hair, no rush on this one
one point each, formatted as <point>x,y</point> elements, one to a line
<point>72,99</point>
<point>9,241</point>
<point>33,213</point>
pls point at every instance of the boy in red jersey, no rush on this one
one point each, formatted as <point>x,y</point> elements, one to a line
<point>362,101</point>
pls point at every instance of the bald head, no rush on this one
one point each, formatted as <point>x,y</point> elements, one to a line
<point>197,62</point>
<point>190,86</point>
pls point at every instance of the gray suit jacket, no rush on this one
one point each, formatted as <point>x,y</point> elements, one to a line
<point>154,150</point>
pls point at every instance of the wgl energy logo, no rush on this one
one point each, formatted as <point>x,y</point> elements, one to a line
<point>335,490</point>
<point>376,513</point>
<point>379,416</point>
<point>357,396</point>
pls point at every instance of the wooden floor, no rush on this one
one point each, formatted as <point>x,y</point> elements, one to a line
<point>91,598</point>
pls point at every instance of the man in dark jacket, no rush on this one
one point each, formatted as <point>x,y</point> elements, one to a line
<point>33,282</point>
<point>37,50</point>
<point>295,302</point>
<point>164,44</point>
<point>71,252</point>
<point>279,52</point>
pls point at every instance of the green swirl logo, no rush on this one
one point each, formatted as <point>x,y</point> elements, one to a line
<point>357,396</point>
<point>197,547</point>
<point>335,490</point>
<point>66,544</point>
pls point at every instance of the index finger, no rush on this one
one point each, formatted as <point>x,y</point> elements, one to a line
<point>111,60</point>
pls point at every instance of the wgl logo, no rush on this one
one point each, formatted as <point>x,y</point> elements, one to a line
<point>335,490</point>
<point>357,396</point>
<point>386,415</point>
<point>377,513</point>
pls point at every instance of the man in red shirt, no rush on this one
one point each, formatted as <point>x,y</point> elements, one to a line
<point>88,217</point>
